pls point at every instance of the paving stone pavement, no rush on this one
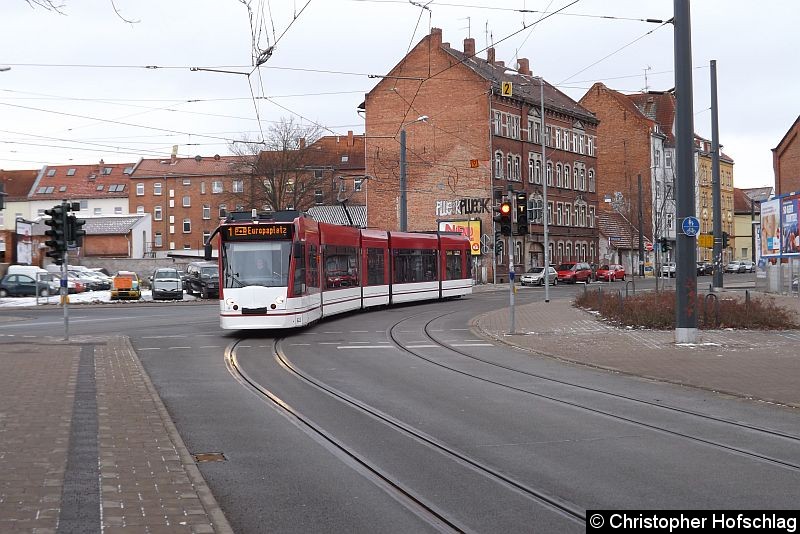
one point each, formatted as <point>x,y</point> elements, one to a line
<point>141,477</point>
<point>759,365</point>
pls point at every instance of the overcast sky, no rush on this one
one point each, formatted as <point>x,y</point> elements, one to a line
<point>78,89</point>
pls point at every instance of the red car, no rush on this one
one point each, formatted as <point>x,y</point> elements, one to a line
<point>610,272</point>
<point>571,272</point>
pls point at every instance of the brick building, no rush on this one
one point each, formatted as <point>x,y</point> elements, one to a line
<point>635,139</point>
<point>704,207</point>
<point>17,185</point>
<point>786,161</point>
<point>481,136</point>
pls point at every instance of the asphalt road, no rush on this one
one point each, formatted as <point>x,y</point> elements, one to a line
<point>401,420</point>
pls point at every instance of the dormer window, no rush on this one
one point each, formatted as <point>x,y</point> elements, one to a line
<point>100,187</point>
<point>71,172</point>
<point>106,171</point>
<point>62,188</point>
<point>345,158</point>
<point>51,172</point>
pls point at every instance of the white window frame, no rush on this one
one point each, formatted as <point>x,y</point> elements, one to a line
<point>187,223</point>
<point>567,176</point>
<point>206,211</point>
<point>216,187</point>
<point>158,213</point>
<point>157,189</point>
<point>237,186</point>
<point>140,189</point>
<point>158,242</point>
<point>186,201</point>
<point>498,165</point>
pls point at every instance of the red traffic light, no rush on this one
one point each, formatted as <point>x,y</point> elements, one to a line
<point>505,208</point>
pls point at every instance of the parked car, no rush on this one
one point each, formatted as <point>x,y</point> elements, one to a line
<point>74,284</point>
<point>749,266</point>
<point>22,285</point>
<point>668,269</point>
<point>735,267</point>
<point>704,267</point>
<point>126,285</point>
<point>571,272</point>
<point>203,279</point>
<point>535,276</point>
<point>610,272</point>
<point>166,284</point>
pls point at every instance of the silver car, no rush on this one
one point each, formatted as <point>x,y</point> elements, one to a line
<point>166,284</point>
<point>535,277</point>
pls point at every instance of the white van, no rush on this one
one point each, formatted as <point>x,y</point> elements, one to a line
<point>37,273</point>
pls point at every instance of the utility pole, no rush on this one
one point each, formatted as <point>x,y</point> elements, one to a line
<point>511,321</point>
<point>641,229</point>
<point>716,194</point>
<point>685,248</point>
<point>403,215</point>
<point>544,201</point>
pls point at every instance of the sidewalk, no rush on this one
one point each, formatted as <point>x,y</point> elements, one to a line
<point>761,365</point>
<point>86,445</point>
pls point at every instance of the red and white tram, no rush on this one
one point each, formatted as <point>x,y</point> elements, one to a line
<point>288,270</point>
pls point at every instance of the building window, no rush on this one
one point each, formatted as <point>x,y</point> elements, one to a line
<point>509,166</point>
<point>51,172</point>
<point>590,145</point>
<point>548,132</point>
<point>567,177</point>
<point>140,210</point>
<point>157,213</point>
<point>318,196</point>
<point>206,237</point>
<point>157,240</point>
<point>117,210</point>
<point>206,211</point>
<point>537,177</point>
<point>157,189</point>
<point>98,211</point>
<point>575,142</point>
<point>591,181</point>
<point>567,214</point>
<point>106,171</point>
<point>187,201</point>
<point>668,159</point>
<point>498,165</point>
<point>496,123</point>
<point>187,226</point>
<point>568,249</point>
<point>583,179</point>
<point>591,216</point>
<point>216,187</point>
<point>559,213</point>
<point>84,204</point>
<point>536,210</point>
<point>39,212</point>
<point>202,188</point>
<point>531,167</point>
<point>357,184</point>
<point>223,211</point>
<point>187,181</point>
<point>99,187</point>
<point>517,168</point>
<point>581,143</point>
<point>549,174</point>
<point>558,138</point>
<point>62,188</point>
<point>139,189</point>
<point>566,139</point>
<point>238,186</point>
<point>559,175</point>
<point>513,127</point>
<point>550,212</point>
<point>575,180</point>
<point>656,158</point>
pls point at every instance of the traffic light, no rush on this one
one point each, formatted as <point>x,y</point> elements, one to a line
<point>522,213</point>
<point>503,217</point>
<point>664,245</point>
<point>74,231</point>
<point>724,239</point>
<point>56,233</point>
<point>499,246</point>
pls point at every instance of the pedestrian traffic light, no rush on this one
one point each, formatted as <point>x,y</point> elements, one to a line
<point>74,231</point>
<point>724,239</point>
<point>503,217</point>
<point>664,245</point>
<point>522,213</point>
<point>56,233</point>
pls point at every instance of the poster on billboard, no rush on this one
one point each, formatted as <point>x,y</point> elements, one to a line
<point>471,229</point>
<point>770,228</point>
<point>790,239</point>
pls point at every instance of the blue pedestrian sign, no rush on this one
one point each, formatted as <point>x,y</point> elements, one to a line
<point>691,226</point>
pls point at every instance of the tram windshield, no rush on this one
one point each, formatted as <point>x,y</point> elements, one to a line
<point>256,263</point>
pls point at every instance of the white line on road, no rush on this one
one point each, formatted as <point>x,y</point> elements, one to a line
<point>176,348</point>
<point>365,347</point>
<point>148,348</point>
<point>472,345</point>
<point>421,346</point>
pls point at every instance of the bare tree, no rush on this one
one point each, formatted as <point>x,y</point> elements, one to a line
<point>57,7</point>
<point>286,169</point>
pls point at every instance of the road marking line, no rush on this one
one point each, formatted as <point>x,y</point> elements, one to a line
<point>365,347</point>
<point>149,348</point>
<point>175,348</point>
<point>472,345</point>
<point>421,346</point>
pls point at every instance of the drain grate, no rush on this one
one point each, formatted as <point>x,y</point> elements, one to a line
<point>209,457</point>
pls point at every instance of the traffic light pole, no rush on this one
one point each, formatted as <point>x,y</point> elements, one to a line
<point>511,319</point>
<point>64,294</point>
<point>715,184</point>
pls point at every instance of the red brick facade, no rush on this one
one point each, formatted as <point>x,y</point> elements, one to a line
<point>786,161</point>
<point>474,144</point>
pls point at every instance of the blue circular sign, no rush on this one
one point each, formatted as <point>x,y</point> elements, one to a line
<point>691,226</point>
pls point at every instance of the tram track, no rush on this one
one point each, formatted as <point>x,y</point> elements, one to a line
<point>418,504</point>
<point>409,348</point>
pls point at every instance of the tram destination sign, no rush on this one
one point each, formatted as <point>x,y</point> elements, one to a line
<point>257,232</point>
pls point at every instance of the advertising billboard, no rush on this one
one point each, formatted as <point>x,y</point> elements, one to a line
<point>770,228</point>
<point>471,229</point>
<point>790,238</point>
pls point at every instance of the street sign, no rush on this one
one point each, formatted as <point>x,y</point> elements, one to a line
<point>648,247</point>
<point>506,89</point>
<point>705,240</point>
<point>690,226</point>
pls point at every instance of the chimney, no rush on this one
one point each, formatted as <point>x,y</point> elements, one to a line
<point>500,63</point>
<point>436,36</point>
<point>490,55</point>
<point>469,46</point>
<point>349,137</point>
<point>301,143</point>
<point>523,66</point>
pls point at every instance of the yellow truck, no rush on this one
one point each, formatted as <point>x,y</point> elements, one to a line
<point>126,285</point>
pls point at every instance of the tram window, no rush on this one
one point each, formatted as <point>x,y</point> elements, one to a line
<point>453,265</point>
<point>375,266</point>
<point>256,264</point>
<point>299,269</point>
<point>414,265</point>
<point>340,266</point>
<point>313,267</point>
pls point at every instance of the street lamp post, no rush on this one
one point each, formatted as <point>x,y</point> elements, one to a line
<point>403,177</point>
<point>544,199</point>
